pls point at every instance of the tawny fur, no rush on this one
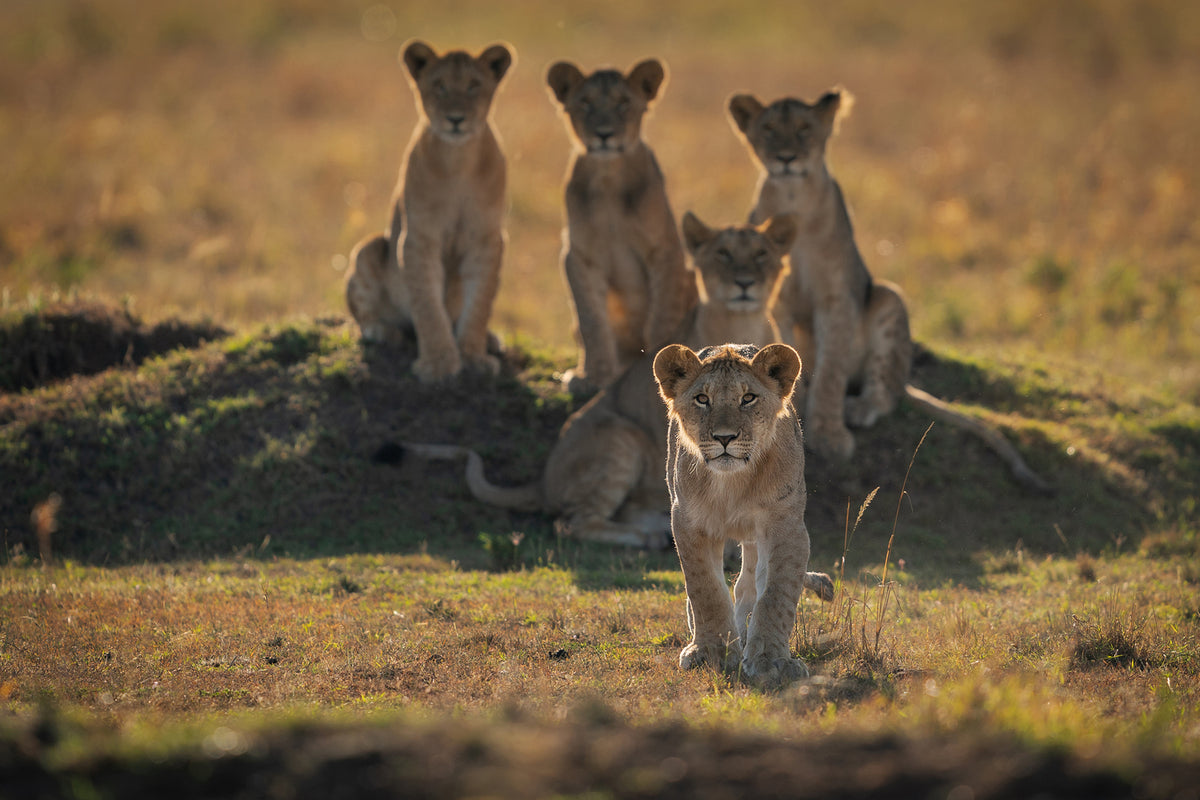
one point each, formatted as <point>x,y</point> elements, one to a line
<point>852,332</point>
<point>436,270</point>
<point>622,256</point>
<point>604,477</point>
<point>735,471</point>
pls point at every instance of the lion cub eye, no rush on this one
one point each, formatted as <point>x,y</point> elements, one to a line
<point>701,399</point>
<point>473,87</point>
<point>724,255</point>
<point>748,398</point>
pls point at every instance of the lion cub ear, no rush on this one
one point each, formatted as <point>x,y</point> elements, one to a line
<point>418,57</point>
<point>496,60</point>
<point>743,109</point>
<point>780,231</point>
<point>562,78</point>
<point>778,364</point>
<point>647,78</point>
<point>674,367</point>
<point>695,233</point>
<point>833,107</point>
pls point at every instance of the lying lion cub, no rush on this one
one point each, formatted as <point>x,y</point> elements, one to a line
<point>851,331</point>
<point>622,257</point>
<point>437,269</point>
<point>735,470</point>
<point>604,476</point>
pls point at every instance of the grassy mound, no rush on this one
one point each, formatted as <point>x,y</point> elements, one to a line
<point>261,442</point>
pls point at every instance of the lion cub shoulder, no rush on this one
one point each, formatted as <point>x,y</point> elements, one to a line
<point>623,259</point>
<point>436,270</point>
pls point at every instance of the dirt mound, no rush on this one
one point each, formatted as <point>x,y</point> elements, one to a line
<point>83,338</point>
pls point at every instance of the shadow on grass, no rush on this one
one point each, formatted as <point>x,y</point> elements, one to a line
<point>259,446</point>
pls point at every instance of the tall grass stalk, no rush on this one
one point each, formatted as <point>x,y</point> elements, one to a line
<point>887,589</point>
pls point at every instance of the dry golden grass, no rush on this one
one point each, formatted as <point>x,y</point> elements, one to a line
<point>1040,658</point>
<point>1023,170</point>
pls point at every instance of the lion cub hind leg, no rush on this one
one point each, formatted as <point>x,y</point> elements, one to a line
<point>888,357</point>
<point>780,574</point>
<point>480,282</point>
<point>594,469</point>
<point>715,639</point>
<point>375,291</point>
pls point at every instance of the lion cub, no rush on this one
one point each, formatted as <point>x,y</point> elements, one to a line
<point>735,470</point>
<point>851,331</point>
<point>622,255</point>
<point>436,270</point>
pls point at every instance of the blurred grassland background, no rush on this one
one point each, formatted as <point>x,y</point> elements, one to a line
<point>1025,170</point>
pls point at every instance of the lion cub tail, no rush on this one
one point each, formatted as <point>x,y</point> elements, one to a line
<point>940,410</point>
<point>518,498</point>
<point>819,584</point>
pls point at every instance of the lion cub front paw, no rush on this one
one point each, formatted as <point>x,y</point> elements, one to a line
<point>831,441</point>
<point>577,385</point>
<point>429,370</point>
<point>485,364</point>
<point>715,654</point>
<point>862,412</point>
<point>766,671</point>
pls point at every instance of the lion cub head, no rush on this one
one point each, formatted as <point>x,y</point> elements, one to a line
<point>741,268</point>
<point>728,399</point>
<point>788,137</point>
<point>456,89</point>
<point>606,108</point>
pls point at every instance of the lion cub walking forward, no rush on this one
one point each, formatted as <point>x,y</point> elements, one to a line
<point>622,256</point>
<point>735,470</point>
<point>437,268</point>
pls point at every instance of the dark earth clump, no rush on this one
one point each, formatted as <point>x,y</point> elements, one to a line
<point>588,756</point>
<point>83,338</point>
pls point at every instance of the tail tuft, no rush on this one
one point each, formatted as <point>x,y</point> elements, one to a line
<point>391,453</point>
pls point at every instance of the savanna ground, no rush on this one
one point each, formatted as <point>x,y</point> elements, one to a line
<point>205,576</point>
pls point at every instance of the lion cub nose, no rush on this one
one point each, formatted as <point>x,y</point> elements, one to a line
<point>725,438</point>
<point>456,119</point>
<point>744,283</point>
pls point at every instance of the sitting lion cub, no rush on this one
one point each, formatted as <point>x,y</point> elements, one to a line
<point>622,256</point>
<point>437,269</point>
<point>735,470</point>
<point>851,331</point>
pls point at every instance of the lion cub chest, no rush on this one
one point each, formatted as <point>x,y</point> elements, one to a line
<point>606,219</point>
